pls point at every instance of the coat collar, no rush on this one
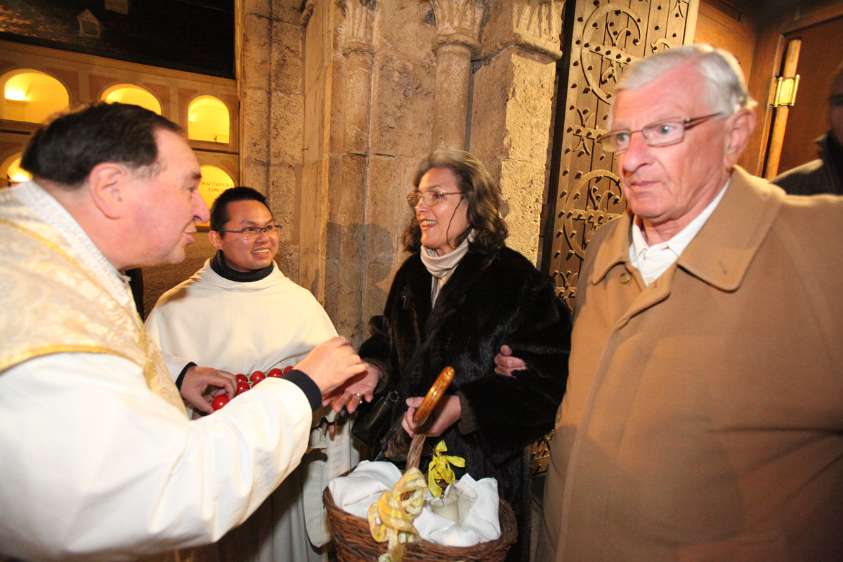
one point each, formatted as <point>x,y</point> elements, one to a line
<point>470,268</point>
<point>722,251</point>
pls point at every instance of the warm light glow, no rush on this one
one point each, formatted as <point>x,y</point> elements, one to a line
<point>12,172</point>
<point>133,95</point>
<point>208,120</point>
<point>14,92</point>
<point>31,96</point>
<point>214,181</point>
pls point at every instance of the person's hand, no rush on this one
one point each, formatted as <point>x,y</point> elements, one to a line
<point>358,388</point>
<point>331,363</point>
<point>201,384</point>
<point>506,363</point>
<point>446,414</point>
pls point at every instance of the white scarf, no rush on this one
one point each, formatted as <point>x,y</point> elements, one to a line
<point>441,267</point>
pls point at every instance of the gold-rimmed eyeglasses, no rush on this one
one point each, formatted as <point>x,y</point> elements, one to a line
<point>430,198</point>
<point>255,231</point>
<point>660,133</point>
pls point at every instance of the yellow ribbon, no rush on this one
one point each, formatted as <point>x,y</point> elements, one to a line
<point>391,517</point>
<point>439,469</point>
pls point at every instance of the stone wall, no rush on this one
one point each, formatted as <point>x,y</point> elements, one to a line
<point>340,100</point>
<point>511,121</point>
<point>270,81</point>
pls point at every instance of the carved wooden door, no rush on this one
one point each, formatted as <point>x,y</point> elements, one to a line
<point>584,191</point>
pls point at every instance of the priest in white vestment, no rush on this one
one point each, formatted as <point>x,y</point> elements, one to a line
<point>239,314</point>
<point>98,460</point>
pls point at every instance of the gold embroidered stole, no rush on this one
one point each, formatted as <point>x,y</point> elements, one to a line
<point>52,304</point>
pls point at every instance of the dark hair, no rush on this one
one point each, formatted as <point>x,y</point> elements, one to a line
<point>219,210</point>
<point>485,202</point>
<point>67,148</point>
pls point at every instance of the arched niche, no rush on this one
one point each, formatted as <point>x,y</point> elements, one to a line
<point>133,95</point>
<point>31,96</point>
<point>214,181</point>
<point>11,172</point>
<point>208,120</point>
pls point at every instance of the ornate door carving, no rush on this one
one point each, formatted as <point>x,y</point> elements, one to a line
<point>584,191</point>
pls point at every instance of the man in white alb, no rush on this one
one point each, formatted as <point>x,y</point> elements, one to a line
<point>239,314</point>
<point>97,457</point>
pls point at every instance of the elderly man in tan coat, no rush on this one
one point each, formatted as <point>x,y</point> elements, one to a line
<point>703,418</point>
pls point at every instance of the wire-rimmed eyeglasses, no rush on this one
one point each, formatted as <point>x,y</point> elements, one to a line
<point>430,198</point>
<point>661,133</point>
<point>255,231</point>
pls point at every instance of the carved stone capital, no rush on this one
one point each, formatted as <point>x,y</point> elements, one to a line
<point>535,25</point>
<point>458,21</point>
<point>356,30</point>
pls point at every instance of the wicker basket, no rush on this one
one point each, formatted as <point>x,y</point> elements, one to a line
<point>354,542</point>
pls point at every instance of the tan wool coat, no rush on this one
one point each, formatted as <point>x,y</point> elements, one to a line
<point>703,418</point>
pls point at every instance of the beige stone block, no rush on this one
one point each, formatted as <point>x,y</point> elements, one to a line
<point>312,232</point>
<point>283,196</point>
<point>450,100</point>
<point>286,128</point>
<point>536,26</point>
<point>288,11</point>
<point>314,124</point>
<point>255,51</point>
<point>488,114</point>
<point>258,7</point>
<point>511,128</point>
<point>254,173</point>
<point>530,105</point>
<point>286,60</point>
<point>522,183</point>
<point>254,110</point>
<point>402,114</point>
<point>387,215</point>
<point>348,193</point>
<point>288,260</point>
<point>406,30</point>
<point>357,87</point>
<point>379,274</point>
<point>390,179</point>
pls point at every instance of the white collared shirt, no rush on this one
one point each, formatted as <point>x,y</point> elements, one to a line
<point>652,261</point>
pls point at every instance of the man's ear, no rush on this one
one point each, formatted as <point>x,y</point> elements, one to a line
<point>741,125</point>
<point>215,238</point>
<point>108,185</point>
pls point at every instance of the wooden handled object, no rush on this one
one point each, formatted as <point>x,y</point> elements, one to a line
<point>433,396</point>
<point>431,399</point>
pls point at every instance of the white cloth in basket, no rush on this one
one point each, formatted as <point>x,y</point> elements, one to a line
<point>478,504</point>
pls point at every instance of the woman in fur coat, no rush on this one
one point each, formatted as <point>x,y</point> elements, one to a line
<point>459,297</point>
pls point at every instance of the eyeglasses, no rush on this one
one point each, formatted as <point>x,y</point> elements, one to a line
<point>255,231</point>
<point>662,133</point>
<point>430,198</point>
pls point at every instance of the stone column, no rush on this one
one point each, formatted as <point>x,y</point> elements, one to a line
<point>252,64</point>
<point>457,32</point>
<point>349,169</point>
<point>356,34</point>
<point>269,82</point>
<point>511,121</point>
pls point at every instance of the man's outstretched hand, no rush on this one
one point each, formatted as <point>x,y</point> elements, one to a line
<point>201,384</point>
<point>356,390</point>
<point>331,363</point>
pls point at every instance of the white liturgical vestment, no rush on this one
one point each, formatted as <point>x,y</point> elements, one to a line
<point>240,327</point>
<point>93,464</point>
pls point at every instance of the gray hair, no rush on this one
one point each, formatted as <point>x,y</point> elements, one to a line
<point>724,82</point>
